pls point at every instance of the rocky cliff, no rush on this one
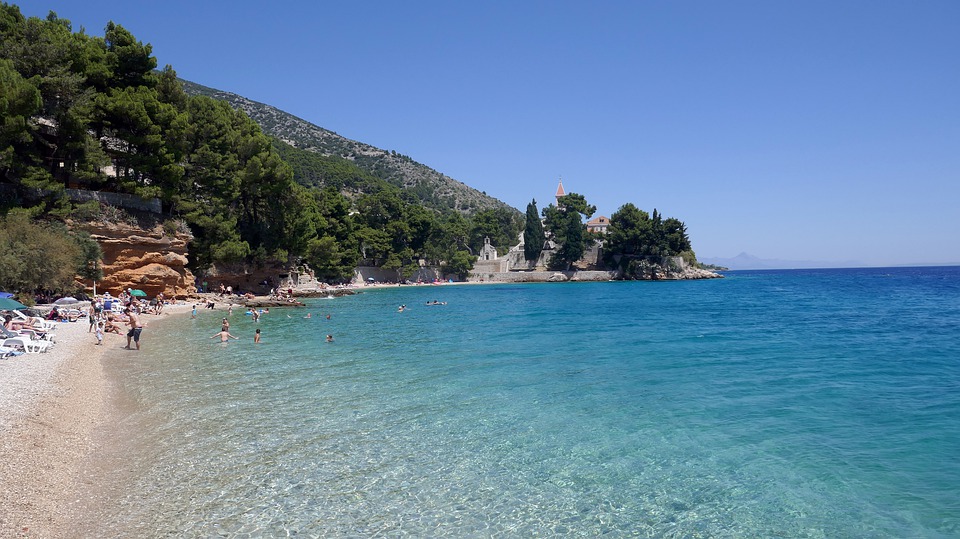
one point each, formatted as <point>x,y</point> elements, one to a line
<point>149,260</point>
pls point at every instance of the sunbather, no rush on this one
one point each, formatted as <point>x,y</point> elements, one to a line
<point>16,325</point>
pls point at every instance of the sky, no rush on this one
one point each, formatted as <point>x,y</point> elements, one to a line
<point>814,131</point>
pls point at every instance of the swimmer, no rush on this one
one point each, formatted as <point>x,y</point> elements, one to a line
<point>401,308</point>
<point>308,315</point>
<point>256,337</point>
<point>329,338</point>
<point>224,335</point>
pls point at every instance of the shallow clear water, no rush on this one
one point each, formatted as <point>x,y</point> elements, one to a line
<point>768,404</point>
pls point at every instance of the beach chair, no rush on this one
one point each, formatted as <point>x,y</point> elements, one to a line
<point>9,352</point>
<point>47,336</point>
<point>6,333</point>
<point>37,321</point>
<point>26,344</point>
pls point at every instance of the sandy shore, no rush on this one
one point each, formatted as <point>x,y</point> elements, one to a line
<point>51,406</point>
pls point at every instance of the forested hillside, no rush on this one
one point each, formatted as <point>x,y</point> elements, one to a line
<point>430,187</point>
<point>89,113</point>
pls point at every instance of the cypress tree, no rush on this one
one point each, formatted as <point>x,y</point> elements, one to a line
<point>533,235</point>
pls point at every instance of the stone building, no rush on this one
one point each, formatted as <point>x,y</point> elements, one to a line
<point>598,224</point>
<point>488,252</point>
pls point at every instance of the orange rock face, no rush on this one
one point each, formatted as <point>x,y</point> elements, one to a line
<point>149,260</point>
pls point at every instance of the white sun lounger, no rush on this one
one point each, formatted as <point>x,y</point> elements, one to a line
<point>27,344</point>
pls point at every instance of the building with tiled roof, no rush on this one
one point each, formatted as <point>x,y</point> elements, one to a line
<point>598,224</point>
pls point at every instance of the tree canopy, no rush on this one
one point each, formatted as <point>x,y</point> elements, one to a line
<point>633,233</point>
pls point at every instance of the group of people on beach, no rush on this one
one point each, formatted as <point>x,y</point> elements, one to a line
<point>103,320</point>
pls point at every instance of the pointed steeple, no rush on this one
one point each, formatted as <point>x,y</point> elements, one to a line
<point>560,191</point>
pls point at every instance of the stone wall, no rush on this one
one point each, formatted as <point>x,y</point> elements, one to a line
<point>541,276</point>
<point>426,274</point>
<point>120,200</point>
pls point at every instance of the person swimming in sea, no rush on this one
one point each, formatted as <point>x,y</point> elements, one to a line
<point>329,338</point>
<point>224,335</point>
<point>256,337</point>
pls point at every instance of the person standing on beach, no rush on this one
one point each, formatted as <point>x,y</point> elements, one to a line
<point>92,315</point>
<point>135,328</point>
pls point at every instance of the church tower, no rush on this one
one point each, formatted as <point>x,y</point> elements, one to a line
<point>560,191</point>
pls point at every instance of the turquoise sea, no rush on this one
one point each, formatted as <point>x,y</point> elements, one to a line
<point>805,403</point>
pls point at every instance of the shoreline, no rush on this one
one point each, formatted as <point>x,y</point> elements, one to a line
<point>56,411</point>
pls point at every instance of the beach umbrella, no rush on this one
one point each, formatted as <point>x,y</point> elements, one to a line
<point>371,279</point>
<point>138,293</point>
<point>66,301</point>
<point>8,304</point>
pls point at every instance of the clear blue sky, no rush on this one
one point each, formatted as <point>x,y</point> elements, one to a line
<point>815,130</point>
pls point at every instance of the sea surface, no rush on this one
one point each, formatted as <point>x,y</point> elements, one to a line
<point>804,403</point>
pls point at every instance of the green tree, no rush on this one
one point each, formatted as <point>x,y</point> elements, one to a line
<point>533,235</point>
<point>130,61</point>
<point>565,223</point>
<point>460,263</point>
<point>90,256</point>
<point>19,100</point>
<point>675,233</point>
<point>36,256</point>
<point>629,233</point>
<point>633,234</point>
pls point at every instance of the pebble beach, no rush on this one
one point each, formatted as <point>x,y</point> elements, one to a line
<point>51,407</point>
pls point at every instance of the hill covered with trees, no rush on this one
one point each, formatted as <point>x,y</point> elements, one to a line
<point>82,113</point>
<point>429,187</point>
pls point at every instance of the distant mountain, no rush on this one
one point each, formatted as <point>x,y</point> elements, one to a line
<point>745,261</point>
<point>432,188</point>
